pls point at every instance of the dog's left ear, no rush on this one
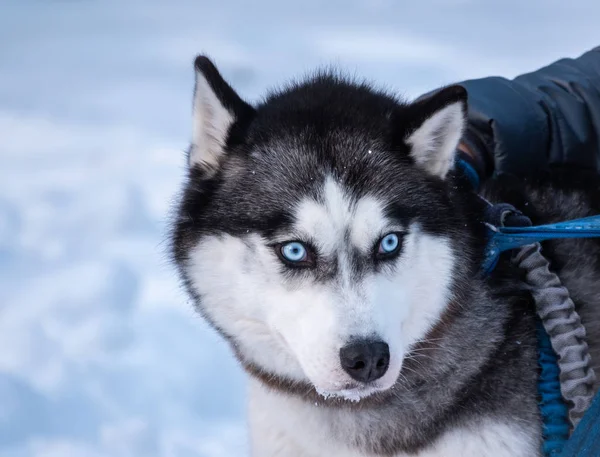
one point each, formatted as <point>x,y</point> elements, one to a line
<point>218,109</point>
<point>434,127</point>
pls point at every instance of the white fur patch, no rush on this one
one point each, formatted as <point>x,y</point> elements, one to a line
<point>329,223</point>
<point>486,438</point>
<point>211,125</point>
<point>281,425</point>
<point>241,288</point>
<point>434,142</point>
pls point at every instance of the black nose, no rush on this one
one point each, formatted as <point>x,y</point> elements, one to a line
<point>365,360</point>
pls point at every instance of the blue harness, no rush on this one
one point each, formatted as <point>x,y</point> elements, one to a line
<point>585,441</point>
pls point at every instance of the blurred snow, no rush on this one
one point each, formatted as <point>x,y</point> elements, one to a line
<point>102,354</point>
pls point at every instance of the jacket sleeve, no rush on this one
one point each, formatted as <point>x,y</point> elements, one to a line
<point>540,119</point>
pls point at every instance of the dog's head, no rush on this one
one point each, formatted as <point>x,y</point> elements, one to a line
<point>315,228</point>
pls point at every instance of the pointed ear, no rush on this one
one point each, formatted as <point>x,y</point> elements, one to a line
<point>435,128</point>
<point>217,110</point>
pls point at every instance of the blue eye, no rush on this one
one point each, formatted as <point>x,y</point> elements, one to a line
<point>389,244</point>
<point>294,252</point>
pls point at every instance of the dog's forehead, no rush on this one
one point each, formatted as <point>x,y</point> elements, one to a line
<point>353,184</point>
<point>336,216</point>
<point>357,160</point>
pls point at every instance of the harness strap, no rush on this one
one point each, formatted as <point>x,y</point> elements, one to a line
<point>553,407</point>
<point>501,239</point>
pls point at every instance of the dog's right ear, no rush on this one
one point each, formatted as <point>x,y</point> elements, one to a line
<point>433,127</point>
<point>217,110</point>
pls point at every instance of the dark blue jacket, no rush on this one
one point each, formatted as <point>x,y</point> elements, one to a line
<point>540,119</point>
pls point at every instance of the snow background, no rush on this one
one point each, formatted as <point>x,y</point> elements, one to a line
<point>101,354</point>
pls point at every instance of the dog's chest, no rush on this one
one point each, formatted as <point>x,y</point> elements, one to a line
<point>286,426</point>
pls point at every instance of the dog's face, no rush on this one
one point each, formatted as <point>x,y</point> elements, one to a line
<point>313,231</point>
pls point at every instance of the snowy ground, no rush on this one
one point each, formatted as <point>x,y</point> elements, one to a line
<point>101,353</point>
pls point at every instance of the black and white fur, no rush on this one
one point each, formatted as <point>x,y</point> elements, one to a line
<point>337,165</point>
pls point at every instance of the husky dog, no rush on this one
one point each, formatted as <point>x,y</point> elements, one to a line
<point>325,234</point>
